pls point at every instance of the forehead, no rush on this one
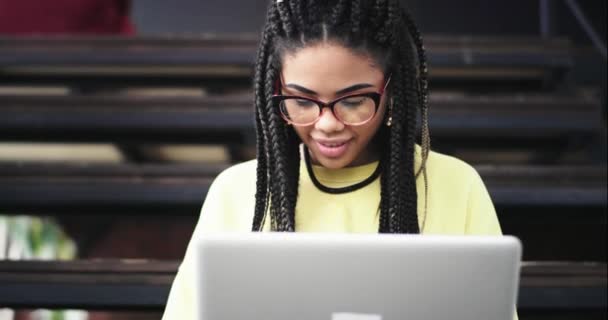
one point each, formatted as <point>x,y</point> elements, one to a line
<point>327,67</point>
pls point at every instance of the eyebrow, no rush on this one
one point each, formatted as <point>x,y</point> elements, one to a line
<point>340,92</point>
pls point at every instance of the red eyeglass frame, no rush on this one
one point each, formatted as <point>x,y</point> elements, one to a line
<point>277,98</point>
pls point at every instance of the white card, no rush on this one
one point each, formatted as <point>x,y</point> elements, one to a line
<point>355,316</point>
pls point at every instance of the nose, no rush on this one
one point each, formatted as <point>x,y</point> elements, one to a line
<point>328,122</point>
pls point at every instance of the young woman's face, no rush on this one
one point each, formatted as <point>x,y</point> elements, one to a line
<point>325,72</point>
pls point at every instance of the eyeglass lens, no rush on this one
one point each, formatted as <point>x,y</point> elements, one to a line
<point>350,110</point>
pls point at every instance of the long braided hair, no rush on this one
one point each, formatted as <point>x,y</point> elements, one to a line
<point>385,31</point>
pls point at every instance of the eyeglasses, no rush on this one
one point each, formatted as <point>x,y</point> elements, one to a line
<point>352,110</point>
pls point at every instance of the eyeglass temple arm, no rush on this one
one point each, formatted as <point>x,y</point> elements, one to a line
<point>387,82</point>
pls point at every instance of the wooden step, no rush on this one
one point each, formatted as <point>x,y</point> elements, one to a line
<point>228,119</point>
<point>50,185</point>
<point>180,60</point>
<point>143,284</point>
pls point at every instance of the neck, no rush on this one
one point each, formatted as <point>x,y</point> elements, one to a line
<point>366,157</point>
<point>350,188</point>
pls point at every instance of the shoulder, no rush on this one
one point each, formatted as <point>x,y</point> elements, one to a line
<point>236,177</point>
<point>230,201</point>
<point>239,172</point>
<point>458,201</point>
<point>237,181</point>
<point>446,167</point>
<point>451,177</point>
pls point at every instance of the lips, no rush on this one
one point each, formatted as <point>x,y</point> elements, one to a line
<point>332,144</point>
<point>332,149</point>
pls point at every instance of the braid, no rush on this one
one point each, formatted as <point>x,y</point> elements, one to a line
<point>378,16</point>
<point>400,212</point>
<point>395,167</point>
<point>398,194</point>
<point>261,194</point>
<point>423,96</point>
<point>283,189</point>
<point>411,93</point>
<point>355,17</point>
<point>283,155</point>
<point>314,12</point>
<point>387,32</point>
<point>423,87</point>
<point>338,12</point>
<point>297,14</point>
<point>262,173</point>
<point>285,15</point>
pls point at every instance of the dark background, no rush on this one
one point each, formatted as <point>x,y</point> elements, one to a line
<point>496,17</point>
<point>462,17</point>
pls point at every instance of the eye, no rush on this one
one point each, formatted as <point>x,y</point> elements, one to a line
<point>353,102</point>
<point>304,103</point>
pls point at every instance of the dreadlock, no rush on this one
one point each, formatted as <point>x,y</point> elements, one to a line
<point>386,32</point>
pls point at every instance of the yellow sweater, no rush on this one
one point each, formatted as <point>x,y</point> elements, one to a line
<point>458,204</point>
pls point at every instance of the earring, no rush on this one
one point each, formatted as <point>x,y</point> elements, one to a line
<point>389,121</point>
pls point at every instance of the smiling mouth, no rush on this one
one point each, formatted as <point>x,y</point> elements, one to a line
<point>332,149</point>
<point>332,145</point>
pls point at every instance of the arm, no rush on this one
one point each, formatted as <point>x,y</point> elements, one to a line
<point>227,208</point>
<point>481,215</point>
<point>182,303</point>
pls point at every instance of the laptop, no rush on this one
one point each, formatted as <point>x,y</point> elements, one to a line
<point>279,276</point>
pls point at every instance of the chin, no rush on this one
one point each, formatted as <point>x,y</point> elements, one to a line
<point>342,161</point>
<point>333,163</point>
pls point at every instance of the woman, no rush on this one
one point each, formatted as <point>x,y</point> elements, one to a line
<point>338,87</point>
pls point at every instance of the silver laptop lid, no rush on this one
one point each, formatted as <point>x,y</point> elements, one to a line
<point>278,276</point>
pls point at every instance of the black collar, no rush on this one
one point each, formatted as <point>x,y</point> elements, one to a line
<point>346,189</point>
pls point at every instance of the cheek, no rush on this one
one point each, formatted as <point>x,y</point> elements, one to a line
<point>302,132</point>
<point>368,131</point>
<point>378,120</point>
